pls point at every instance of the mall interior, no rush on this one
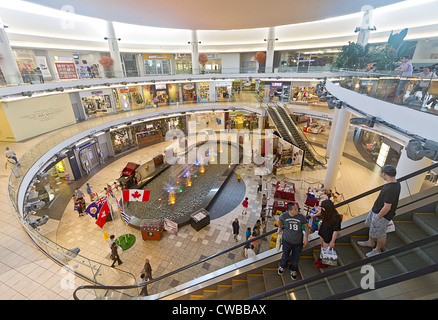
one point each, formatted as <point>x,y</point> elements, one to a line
<point>194,112</point>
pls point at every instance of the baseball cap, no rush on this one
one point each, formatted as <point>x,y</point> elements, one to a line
<point>389,170</point>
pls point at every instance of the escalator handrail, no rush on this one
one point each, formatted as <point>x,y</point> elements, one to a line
<point>243,243</point>
<point>406,177</point>
<point>348,267</point>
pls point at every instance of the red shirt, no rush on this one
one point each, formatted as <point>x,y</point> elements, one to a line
<point>245,203</point>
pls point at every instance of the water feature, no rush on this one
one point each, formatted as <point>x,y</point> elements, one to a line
<point>181,189</point>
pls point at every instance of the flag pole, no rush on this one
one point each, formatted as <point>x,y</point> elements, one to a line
<point>123,208</point>
<point>112,216</point>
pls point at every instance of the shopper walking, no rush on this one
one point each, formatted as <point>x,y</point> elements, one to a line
<point>245,206</point>
<point>236,227</point>
<point>89,192</point>
<point>147,270</point>
<point>10,154</point>
<point>290,228</point>
<point>382,212</point>
<point>260,183</point>
<point>115,255</point>
<point>330,226</point>
<point>248,233</point>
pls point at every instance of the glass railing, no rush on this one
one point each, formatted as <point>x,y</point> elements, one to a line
<point>418,92</point>
<point>232,258</point>
<point>35,79</point>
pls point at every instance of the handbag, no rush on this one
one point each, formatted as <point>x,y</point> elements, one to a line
<point>329,256</point>
<point>76,208</point>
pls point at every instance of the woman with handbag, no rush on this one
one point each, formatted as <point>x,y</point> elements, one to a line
<point>329,228</point>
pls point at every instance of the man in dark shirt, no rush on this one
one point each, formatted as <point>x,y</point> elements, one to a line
<point>382,212</point>
<point>290,228</point>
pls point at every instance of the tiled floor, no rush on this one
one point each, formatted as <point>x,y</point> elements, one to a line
<point>26,273</point>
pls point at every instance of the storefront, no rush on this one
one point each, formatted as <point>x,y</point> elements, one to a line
<point>377,148</point>
<point>149,133</point>
<point>28,62</point>
<point>204,91</point>
<point>88,155</point>
<point>98,102</point>
<point>173,92</point>
<point>131,98</point>
<point>214,63</point>
<point>182,63</point>
<point>243,120</point>
<point>157,63</point>
<point>161,93</point>
<point>304,61</point>
<point>223,90</point>
<point>87,64</point>
<point>123,139</point>
<point>189,92</point>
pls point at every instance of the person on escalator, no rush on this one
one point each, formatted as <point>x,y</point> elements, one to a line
<point>290,225</point>
<point>329,228</point>
<point>382,212</point>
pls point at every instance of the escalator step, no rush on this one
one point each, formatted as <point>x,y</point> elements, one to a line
<point>256,284</point>
<point>210,294</point>
<point>409,230</point>
<point>316,290</point>
<point>224,292</point>
<point>240,289</point>
<point>427,221</point>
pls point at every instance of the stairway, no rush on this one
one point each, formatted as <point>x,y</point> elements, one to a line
<point>408,228</point>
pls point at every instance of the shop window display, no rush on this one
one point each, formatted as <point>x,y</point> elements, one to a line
<point>97,105</point>
<point>122,140</point>
<point>149,133</point>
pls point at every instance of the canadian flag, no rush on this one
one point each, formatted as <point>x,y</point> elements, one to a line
<point>135,195</point>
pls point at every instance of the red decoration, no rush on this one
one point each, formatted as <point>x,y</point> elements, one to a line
<point>203,59</point>
<point>106,62</point>
<point>260,57</point>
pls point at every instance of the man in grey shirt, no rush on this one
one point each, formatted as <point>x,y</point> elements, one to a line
<point>290,224</point>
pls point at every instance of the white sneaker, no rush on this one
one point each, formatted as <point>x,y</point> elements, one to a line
<point>280,271</point>
<point>293,275</point>
<point>366,244</point>
<point>372,253</point>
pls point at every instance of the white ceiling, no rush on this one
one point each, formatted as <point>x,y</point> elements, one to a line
<point>36,26</point>
<point>213,14</point>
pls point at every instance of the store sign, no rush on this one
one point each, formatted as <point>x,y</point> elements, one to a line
<point>188,86</point>
<point>223,84</point>
<point>161,86</point>
<point>156,56</point>
<point>276,84</point>
<point>128,90</point>
<point>96,93</point>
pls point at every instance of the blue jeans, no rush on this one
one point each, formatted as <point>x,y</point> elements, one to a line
<point>291,254</point>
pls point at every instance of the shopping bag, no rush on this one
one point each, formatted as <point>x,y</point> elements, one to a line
<point>329,256</point>
<point>391,227</point>
<point>76,208</point>
<point>279,242</point>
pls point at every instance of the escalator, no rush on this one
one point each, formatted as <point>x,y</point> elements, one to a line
<point>292,134</point>
<point>410,252</point>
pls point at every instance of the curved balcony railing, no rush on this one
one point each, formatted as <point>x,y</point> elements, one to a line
<point>417,92</point>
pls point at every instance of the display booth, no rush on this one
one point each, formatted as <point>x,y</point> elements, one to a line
<point>97,102</point>
<point>151,229</point>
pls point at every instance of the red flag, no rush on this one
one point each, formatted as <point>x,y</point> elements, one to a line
<point>135,195</point>
<point>103,214</point>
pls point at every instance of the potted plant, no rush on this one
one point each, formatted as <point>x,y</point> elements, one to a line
<point>203,59</point>
<point>260,57</point>
<point>107,63</point>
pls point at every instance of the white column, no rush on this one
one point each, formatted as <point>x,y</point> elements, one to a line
<point>114,50</point>
<point>341,131</point>
<point>195,53</point>
<point>212,91</point>
<point>332,132</point>
<point>8,64</point>
<point>140,65</point>
<point>406,166</point>
<point>270,50</point>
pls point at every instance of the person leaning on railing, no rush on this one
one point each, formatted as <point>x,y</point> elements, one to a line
<point>423,85</point>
